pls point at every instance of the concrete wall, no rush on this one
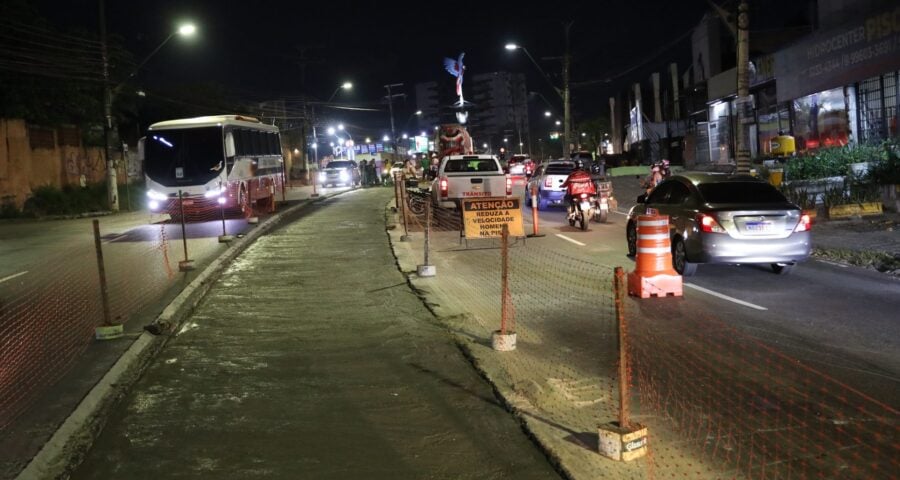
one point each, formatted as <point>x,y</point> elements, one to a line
<point>23,168</point>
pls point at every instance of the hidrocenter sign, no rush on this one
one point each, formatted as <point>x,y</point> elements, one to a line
<point>485,217</point>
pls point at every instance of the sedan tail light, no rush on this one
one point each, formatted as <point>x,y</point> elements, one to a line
<point>548,182</point>
<point>445,187</point>
<point>708,224</point>
<point>508,185</point>
<point>804,225</point>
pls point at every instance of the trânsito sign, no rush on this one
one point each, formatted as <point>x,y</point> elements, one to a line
<point>485,217</point>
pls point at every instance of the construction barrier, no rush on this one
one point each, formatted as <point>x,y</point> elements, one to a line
<point>700,398</point>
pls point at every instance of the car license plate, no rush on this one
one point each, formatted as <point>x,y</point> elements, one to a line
<point>758,226</point>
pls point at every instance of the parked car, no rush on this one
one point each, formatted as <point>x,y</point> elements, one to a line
<point>725,219</point>
<point>548,178</point>
<point>339,172</point>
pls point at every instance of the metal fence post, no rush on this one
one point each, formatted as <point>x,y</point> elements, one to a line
<point>504,278</point>
<point>186,264</point>
<point>427,270</point>
<point>620,290</point>
<point>402,207</point>
<point>504,340</point>
<point>104,292</point>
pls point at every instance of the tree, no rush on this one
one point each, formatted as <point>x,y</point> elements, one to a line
<point>596,130</point>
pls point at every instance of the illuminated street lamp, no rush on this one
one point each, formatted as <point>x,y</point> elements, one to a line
<point>385,138</point>
<point>344,86</point>
<point>558,122</point>
<point>547,113</point>
<point>564,93</point>
<point>405,136</point>
<point>109,92</point>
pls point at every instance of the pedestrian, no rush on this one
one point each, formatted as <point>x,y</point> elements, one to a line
<point>371,173</point>
<point>362,173</point>
<point>409,173</point>
<point>379,170</point>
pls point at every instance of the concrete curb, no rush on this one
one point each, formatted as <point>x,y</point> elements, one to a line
<point>66,449</point>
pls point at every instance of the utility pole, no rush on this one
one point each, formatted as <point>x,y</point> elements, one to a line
<point>112,184</point>
<point>390,98</point>
<point>567,107</point>
<point>744,102</point>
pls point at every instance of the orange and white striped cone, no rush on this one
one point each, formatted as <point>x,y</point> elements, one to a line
<point>653,274</point>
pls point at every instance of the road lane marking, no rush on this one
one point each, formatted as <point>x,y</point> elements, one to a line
<point>576,242</point>
<point>624,214</point>
<point>833,263</point>
<point>13,276</point>
<point>724,297</point>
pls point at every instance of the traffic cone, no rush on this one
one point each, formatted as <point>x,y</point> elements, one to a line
<point>653,274</point>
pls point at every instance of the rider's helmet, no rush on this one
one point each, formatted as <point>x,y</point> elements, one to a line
<point>654,168</point>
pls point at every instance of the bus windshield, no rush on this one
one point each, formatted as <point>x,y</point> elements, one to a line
<point>185,156</point>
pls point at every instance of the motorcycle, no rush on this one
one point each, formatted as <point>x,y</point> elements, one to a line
<point>580,210</point>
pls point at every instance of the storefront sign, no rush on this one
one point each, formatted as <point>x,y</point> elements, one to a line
<point>485,217</point>
<point>859,49</point>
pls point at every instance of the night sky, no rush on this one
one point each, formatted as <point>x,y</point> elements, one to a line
<point>255,48</point>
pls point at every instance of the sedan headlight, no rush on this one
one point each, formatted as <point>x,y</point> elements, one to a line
<point>322,176</point>
<point>344,176</point>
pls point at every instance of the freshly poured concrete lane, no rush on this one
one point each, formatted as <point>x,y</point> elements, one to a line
<point>311,358</point>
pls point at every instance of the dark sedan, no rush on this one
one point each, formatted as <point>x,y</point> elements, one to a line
<point>728,219</point>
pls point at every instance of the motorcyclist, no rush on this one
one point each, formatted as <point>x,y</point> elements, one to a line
<point>578,182</point>
<point>652,179</point>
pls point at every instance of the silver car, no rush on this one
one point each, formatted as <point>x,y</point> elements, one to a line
<point>728,219</point>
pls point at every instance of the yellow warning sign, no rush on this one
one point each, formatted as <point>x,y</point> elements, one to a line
<point>485,217</point>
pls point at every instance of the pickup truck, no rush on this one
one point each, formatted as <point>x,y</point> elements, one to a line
<point>469,176</point>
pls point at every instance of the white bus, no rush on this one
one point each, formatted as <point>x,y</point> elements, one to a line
<point>217,162</point>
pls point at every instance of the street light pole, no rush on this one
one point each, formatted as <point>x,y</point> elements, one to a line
<point>743,89</point>
<point>112,183</point>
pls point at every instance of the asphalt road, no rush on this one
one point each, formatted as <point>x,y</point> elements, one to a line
<point>839,319</point>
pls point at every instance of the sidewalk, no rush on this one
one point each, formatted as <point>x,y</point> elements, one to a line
<point>22,439</point>
<point>312,358</point>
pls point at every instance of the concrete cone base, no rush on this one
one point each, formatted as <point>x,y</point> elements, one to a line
<point>253,220</point>
<point>225,238</point>
<point>622,444</point>
<point>186,265</point>
<point>503,342</point>
<point>662,285</point>
<point>426,270</point>
<point>108,332</point>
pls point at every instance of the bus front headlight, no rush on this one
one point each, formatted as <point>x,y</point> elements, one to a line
<point>154,195</point>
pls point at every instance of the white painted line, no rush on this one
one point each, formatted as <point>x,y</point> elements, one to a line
<point>13,276</point>
<point>576,242</point>
<point>112,239</point>
<point>625,214</point>
<point>724,297</point>
<point>833,263</point>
